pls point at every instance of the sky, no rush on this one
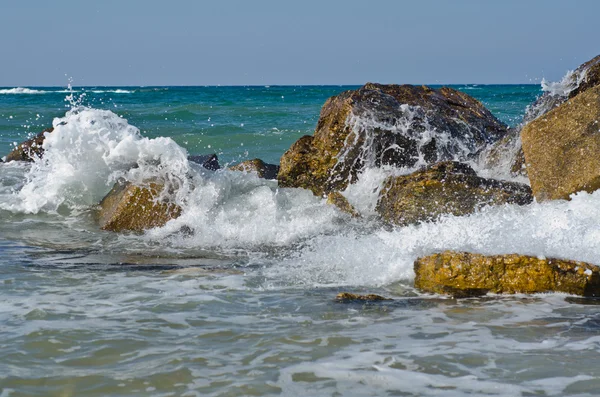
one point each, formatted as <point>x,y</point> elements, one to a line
<point>270,42</point>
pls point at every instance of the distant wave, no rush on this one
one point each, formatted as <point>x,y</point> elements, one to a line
<point>113,91</point>
<point>20,90</point>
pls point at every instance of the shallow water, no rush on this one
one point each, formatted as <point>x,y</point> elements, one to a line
<point>236,297</point>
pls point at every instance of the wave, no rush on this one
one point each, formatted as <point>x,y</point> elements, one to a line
<point>117,91</point>
<point>20,90</point>
<point>309,242</point>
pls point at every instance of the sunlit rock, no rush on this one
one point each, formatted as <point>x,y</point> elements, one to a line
<point>444,188</point>
<point>262,169</point>
<point>466,274</point>
<point>400,125</point>
<point>128,207</point>
<point>562,148</point>
<point>341,202</point>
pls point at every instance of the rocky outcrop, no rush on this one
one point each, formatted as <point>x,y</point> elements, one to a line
<point>465,274</point>
<point>128,207</point>
<point>262,169</point>
<point>342,203</point>
<point>562,148</point>
<point>445,188</point>
<point>379,125</point>
<point>509,151</point>
<point>30,149</point>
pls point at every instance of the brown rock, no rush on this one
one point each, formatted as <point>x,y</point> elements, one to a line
<point>30,149</point>
<point>337,199</point>
<point>347,296</point>
<point>135,208</point>
<point>444,188</point>
<point>384,125</point>
<point>466,274</point>
<point>263,170</point>
<point>562,148</point>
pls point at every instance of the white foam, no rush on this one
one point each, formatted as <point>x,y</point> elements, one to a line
<point>20,90</point>
<point>117,91</point>
<point>570,81</point>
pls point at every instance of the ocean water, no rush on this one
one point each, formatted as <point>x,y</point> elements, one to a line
<point>235,297</point>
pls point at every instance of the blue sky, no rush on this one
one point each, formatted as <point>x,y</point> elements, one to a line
<point>187,42</point>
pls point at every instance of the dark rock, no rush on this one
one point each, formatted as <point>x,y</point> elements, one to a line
<point>444,188</point>
<point>464,274</point>
<point>264,170</point>
<point>379,125</point>
<point>562,148</point>
<point>208,161</point>
<point>348,297</point>
<point>30,149</point>
<point>128,207</point>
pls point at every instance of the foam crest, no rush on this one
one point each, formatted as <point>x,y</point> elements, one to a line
<point>88,150</point>
<point>20,90</point>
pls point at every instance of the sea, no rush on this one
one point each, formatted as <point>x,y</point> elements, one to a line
<point>236,297</point>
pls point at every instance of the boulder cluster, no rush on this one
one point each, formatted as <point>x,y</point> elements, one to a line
<point>432,137</point>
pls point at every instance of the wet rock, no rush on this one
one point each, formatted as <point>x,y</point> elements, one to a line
<point>562,148</point>
<point>264,170</point>
<point>444,188</point>
<point>341,202</point>
<point>30,149</point>
<point>465,274</point>
<point>387,125</point>
<point>128,207</point>
<point>208,161</point>
<point>347,296</point>
<point>508,152</point>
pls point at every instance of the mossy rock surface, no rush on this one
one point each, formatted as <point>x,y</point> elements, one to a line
<point>385,125</point>
<point>342,203</point>
<point>465,274</point>
<point>445,188</point>
<point>30,149</point>
<point>128,207</point>
<point>350,297</point>
<point>262,169</point>
<point>562,148</point>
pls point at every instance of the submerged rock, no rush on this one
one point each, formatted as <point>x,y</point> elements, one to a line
<point>466,274</point>
<point>135,208</point>
<point>562,148</point>
<point>444,188</point>
<point>377,125</point>
<point>208,161</point>
<point>341,202</point>
<point>262,169</point>
<point>30,149</point>
<point>347,296</point>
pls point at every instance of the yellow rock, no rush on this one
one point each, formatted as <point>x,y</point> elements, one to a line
<point>337,199</point>
<point>135,208</point>
<point>466,274</point>
<point>562,148</point>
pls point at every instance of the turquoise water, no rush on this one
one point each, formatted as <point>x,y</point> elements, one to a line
<point>235,297</point>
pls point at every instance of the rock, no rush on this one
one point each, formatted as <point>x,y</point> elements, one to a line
<point>444,188</point>
<point>387,125</point>
<point>347,296</point>
<point>562,148</point>
<point>30,149</point>
<point>341,202</point>
<point>264,170</point>
<point>507,154</point>
<point>208,161</point>
<point>465,274</point>
<point>135,208</point>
